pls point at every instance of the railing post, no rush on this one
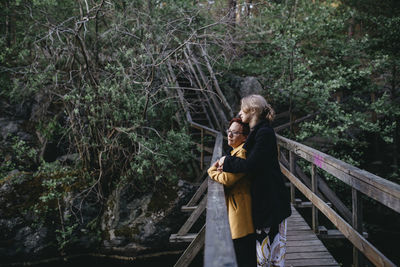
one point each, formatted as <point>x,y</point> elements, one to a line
<point>279,152</point>
<point>357,224</point>
<point>292,168</point>
<point>314,188</point>
<point>202,149</point>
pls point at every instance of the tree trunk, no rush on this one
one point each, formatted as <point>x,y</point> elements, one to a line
<point>97,41</point>
<point>351,28</point>
<point>291,102</point>
<point>8,23</point>
<point>238,12</point>
<point>232,5</point>
<point>396,130</point>
<point>396,147</point>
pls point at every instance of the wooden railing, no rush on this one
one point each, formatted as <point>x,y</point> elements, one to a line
<point>360,181</point>
<point>216,234</point>
<point>218,245</point>
<point>218,249</point>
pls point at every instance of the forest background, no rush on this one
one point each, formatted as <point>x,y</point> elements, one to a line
<point>89,78</point>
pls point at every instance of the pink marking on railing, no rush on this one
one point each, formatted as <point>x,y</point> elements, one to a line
<point>318,160</point>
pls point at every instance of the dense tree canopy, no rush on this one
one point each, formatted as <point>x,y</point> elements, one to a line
<point>91,79</point>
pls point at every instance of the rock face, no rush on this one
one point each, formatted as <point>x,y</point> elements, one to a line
<point>137,224</point>
<point>239,87</point>
<point>20,237</point>
<point>131,224</point>
<point>13,127</point>
<point>250,85</point>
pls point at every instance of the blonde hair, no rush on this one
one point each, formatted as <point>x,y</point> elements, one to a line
<point>259,105</point>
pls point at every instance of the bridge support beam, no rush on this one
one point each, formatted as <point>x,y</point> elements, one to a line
<point>358,259</point>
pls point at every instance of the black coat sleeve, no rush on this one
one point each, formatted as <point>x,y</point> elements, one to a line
<point>260,154</point>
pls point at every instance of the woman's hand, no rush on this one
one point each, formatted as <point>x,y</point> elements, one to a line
<point>221,163</point>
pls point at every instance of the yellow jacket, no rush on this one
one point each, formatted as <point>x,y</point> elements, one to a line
<point>237,194</point>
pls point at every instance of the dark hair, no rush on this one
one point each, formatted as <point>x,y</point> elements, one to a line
<point>245,126</point>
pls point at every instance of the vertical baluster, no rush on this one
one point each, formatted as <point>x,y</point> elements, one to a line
<point>292,168</point>
<point>202,149</point>
<point>279,152</point>
<point>357,224</point>
<point>314,188</point>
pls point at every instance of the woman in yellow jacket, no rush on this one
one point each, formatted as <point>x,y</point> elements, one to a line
<point>238,199</point>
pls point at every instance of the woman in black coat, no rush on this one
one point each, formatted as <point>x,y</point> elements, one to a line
<point>270,197</point>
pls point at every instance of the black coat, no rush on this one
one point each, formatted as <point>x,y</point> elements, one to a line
<point>270,196</point>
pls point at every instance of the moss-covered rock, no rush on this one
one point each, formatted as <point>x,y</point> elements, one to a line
<point>143,222</point>
<point>34,227</point>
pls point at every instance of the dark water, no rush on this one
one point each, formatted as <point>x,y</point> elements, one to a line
<point>89,261</point>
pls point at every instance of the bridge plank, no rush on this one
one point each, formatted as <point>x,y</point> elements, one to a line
<point>373,254</point>
<point>301,243</point>
<point>308,255</point>
<point>182,238</point>
<point>301,237</point>
<point>311,262</point>
<point>297,232</point>
<point>303,246</point>
<point>317,266</point>
<point>303,227</point>
<point>298,249</point>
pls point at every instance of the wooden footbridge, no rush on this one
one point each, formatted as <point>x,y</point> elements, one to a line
<point>206,110</point>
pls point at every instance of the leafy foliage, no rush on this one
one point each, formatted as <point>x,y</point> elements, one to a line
<point>16,154</point>
<point>96,74</point>
<point>100,85</point>
<point>312,57</point>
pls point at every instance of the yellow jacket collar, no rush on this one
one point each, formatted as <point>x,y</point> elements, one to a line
<point>235,150</point>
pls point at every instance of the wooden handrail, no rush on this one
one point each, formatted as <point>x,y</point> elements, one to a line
<point>375,187</point>
<point>218,249</point>
<point>322,186</point>
<point>202,127</point>
<point>378,188</point>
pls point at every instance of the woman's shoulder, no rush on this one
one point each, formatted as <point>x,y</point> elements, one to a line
<point>265,130</point>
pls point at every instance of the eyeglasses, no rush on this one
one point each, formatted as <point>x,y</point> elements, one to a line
<point>228,132</point>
